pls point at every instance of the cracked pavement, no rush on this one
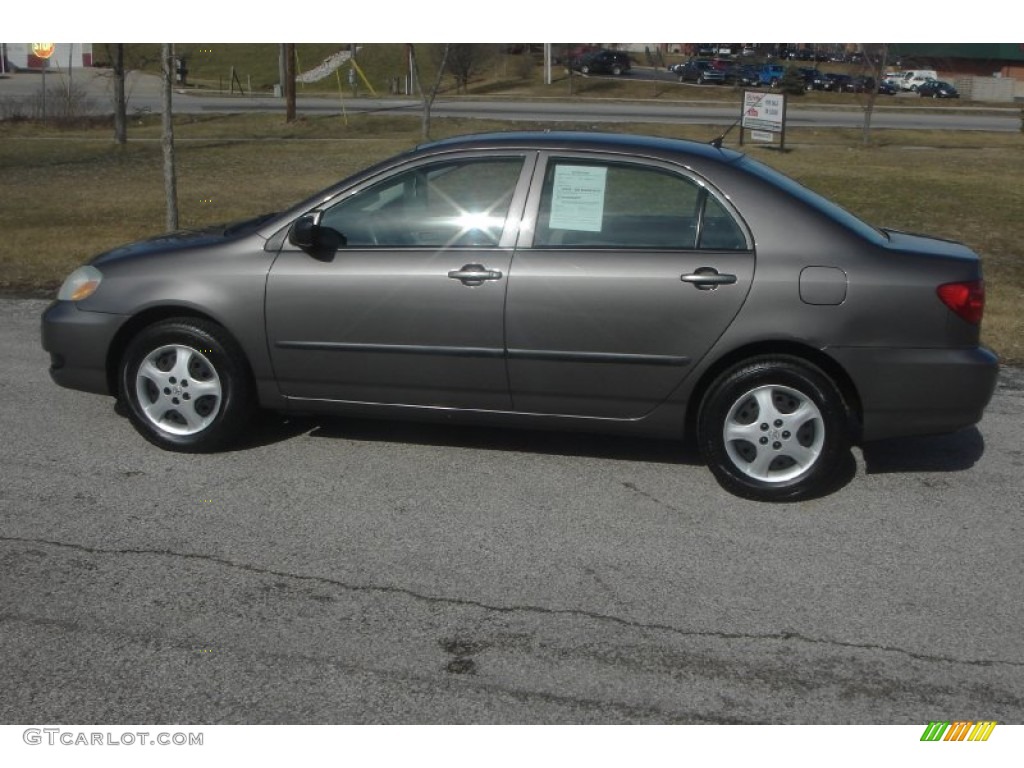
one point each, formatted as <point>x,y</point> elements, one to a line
<point>355,572</point>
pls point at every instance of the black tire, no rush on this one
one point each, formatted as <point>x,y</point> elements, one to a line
<point>796,419</point>
<point>616,70</point>
<point>585,70</point>
<point>186,385</point>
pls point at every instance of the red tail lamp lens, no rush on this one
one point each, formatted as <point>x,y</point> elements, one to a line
<point>966,299</point>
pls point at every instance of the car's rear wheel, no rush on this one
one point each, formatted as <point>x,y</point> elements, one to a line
<point>774,429</point>
<point>186,385</point>
<point>616,70</point>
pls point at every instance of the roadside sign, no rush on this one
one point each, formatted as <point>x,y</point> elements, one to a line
<point>764,114</point>
<point>763,111</point>
<point>43,50</point>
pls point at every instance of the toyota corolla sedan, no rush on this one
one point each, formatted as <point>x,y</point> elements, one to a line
<point>546,280</point>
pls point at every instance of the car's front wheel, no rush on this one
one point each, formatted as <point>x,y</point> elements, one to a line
<point>186,385</point>
<point>774,429</point>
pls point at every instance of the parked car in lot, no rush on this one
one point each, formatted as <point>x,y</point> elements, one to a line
<point>859,84</point>
<point>862,84</point>
<point>835,82</point>
<point>894,78</point>
<point>938,89</point>
<point>558,280</point>
<point>699,71</point>
<point>814,79</point>
<point>915,78</point>
<point>602,62</point>
<point>771,75</point>
<point>742,75</point>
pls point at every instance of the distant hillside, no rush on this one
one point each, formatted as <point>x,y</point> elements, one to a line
<point>209,64</point>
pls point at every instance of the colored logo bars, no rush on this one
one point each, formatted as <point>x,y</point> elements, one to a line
<point>959,730</point>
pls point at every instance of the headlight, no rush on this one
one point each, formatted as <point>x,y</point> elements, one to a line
<point>80,284</point>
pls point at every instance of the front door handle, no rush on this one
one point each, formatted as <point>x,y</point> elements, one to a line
<point>708,278</point>
<point>474,274</point>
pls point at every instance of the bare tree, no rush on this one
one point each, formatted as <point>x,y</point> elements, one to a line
<point>466,60</point>
<point>120,103</point>
<point>428,96</point>
<point>875,55</point>
<point>167,139</point>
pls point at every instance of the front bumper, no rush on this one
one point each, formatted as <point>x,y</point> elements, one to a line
<point>78,342</point>
<point>905,392</point>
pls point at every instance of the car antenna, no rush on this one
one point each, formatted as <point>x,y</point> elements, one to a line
<point>717,142</point>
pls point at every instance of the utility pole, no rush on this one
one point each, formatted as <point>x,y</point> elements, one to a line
<point>167,139</point>
<point>120,109</point>
<point>289,82</point>
<point>281,73</point>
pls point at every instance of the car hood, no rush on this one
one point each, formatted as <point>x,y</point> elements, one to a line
<point>182,240</point>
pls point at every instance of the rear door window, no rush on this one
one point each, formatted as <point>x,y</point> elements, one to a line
<point>595,204</point>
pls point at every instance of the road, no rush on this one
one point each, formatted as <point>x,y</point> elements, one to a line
<point>354,572</point>
<point>143,94</point>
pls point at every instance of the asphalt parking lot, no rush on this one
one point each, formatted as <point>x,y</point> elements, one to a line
<point>339,571</point>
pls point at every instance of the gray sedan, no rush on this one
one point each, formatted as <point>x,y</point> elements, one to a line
<point>546,280</point>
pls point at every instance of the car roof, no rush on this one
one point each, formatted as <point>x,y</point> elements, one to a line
<point>582,140</point>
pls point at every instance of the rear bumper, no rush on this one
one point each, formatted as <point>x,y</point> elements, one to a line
<point>906,392</point>
<point>78,342</point>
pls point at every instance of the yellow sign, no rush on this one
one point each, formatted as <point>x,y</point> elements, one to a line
<point>43,50</point>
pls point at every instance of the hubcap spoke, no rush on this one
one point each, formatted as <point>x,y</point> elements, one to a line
<point>156,410</point>
<point>199,388</point>
<point>181,363</point>
<point>804,457</point>
<point>194,421</point>
<point>150,371</point>
<point>759,466</point>
<point>766,406</point>
<point>748,432</point>
<point>805,413</point>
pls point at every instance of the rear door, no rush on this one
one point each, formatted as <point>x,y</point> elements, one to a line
<point>626,274</point>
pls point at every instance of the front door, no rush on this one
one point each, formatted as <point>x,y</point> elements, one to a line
<point>409,310</point>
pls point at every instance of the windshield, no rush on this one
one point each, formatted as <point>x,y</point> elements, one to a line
<point>821,204</point>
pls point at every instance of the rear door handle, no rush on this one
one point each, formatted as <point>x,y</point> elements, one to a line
<point>708,278</point>
<point>474,274</point>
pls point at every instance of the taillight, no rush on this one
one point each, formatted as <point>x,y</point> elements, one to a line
<point>966,299</point>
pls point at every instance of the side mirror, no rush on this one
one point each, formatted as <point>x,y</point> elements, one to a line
<point>305,232</point>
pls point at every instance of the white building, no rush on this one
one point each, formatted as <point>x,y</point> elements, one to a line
<point>17,56</point>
